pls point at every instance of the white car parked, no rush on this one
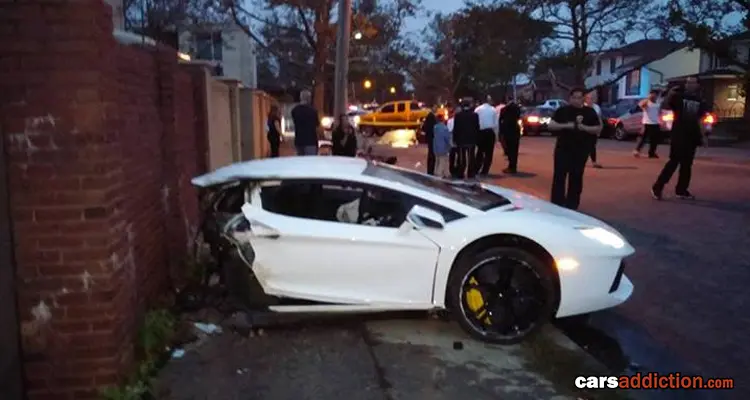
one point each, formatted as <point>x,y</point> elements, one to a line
<point>336,234</point>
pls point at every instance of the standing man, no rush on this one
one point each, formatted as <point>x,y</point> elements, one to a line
<point>306,126</point>
<point>589,102</point>
<point>486,140</point>
<point>465,134</point>
<point>575,123</point>
<point>510,133</point>
<point>428,127</point>
<point>688,132</point>
<point>651,107</point>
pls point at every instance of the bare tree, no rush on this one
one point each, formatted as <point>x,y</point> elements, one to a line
<point>312,22</point>
<point>589,26</point>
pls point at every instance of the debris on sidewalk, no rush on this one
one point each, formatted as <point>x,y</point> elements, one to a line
<point>209,329</point>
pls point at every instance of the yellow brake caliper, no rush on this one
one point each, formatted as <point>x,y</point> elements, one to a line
<point>475,301</point>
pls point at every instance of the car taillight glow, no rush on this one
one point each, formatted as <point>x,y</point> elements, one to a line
<point>709,119</point>
<point>612,121</point>
<point>668,117</point>
<point>532,119</point>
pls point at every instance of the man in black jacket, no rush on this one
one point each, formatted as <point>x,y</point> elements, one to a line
<point>465,135</point>
<point>511,133</point>
<point>688,132</point>
<point>428,127</point>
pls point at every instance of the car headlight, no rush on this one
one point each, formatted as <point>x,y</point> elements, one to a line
<point>326,122</point>
<point>603,236</point>
<point>356,120</point>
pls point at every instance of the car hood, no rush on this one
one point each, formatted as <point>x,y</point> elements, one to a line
<point>536,205</point>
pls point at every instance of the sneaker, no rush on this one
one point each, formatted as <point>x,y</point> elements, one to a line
<point>656,193</point>
<point>653,156</point>
<point>597,165</point>
<point>685,196</point>
<point>509,171</point>
<point>636,154</point>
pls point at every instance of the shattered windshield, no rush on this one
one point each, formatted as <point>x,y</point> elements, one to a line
<point>471,194</point>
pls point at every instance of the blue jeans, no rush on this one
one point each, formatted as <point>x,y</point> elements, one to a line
<point>307,150</point>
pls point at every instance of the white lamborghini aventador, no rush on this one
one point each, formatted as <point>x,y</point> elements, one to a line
<point>334,234</point>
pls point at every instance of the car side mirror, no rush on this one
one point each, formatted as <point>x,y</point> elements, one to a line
<point>420,217</point>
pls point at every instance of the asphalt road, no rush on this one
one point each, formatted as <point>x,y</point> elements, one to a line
<point>691,269</point>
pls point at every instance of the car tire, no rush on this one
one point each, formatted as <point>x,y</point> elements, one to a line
<point>620,133</point>
<point>459,300</point>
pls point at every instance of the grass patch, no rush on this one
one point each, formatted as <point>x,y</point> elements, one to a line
<point>154,337</point>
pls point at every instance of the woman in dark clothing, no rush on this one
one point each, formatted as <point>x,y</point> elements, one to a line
<point>344,138</point>
<point>274,130</point>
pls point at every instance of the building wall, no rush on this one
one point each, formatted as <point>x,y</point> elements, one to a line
<point>678,63</point>
<point>239,59</point>
<point>102,142</point>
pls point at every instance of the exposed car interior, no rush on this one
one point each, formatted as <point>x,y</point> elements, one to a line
<point>324,202</point>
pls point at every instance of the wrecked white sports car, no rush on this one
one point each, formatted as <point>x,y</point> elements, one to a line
<point>335,234</point>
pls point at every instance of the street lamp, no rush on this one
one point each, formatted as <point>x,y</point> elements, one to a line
<point>393,90</point>
<point>341,79</point>
<point>367,84</point>
<point>358,36</point>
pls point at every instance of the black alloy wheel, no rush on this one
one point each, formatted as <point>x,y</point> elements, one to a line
<point>502,295</point>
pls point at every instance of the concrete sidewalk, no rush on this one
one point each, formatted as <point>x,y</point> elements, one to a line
<point>419,358</point>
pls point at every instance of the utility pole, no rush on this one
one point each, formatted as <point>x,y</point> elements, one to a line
<point>342,57</point>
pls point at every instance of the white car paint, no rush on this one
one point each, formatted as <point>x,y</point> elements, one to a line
<point>381,268</point>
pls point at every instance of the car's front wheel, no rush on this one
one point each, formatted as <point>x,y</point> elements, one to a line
<point>620,133</point>
<point>501,295</point>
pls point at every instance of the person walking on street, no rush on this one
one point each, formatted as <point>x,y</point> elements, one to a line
<point>651,107</point>
<point>453,156</point>
<point>465,134</point>
<point>273,130</point>
<point>574,123</point>
<point>306,126</point>
<point>486,140</point>
<point>688,132</point>
<point>510,132</point>
<point>594,139</point>
<point>428,127</point>
<point>344,138</point>
<point>443,141</point>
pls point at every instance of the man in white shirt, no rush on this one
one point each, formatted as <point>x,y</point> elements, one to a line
<point>651,107</point>
<point>486,141</point>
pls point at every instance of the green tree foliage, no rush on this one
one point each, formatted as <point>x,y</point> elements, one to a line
<point>477,47</point>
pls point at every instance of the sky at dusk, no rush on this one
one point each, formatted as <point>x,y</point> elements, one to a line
<point>435,6</point>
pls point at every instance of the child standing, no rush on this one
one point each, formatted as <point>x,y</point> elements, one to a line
<point>441,145</point>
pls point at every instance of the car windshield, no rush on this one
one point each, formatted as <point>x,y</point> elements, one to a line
<point>471,194</point>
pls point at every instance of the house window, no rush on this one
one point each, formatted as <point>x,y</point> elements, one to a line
<point>733,92</point>
<point>612,66</point>
<point>208,46</point>
<point>599,67</point>
<point>719,63</point>
<point>633,83</point>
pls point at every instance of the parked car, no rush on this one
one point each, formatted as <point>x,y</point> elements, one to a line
<point>534,121</point>
<point>393,115</point>
<point>630,124</point>
<point>553,104</point>
<point>347,235</point>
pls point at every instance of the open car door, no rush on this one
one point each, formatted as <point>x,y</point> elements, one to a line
<point>340,263</point>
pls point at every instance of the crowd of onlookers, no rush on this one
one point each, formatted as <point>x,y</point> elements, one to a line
<point>462,146</point>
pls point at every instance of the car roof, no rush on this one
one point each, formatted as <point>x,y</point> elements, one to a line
<point>330,167</point>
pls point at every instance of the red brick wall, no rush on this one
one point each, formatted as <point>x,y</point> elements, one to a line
<point>102,141</point>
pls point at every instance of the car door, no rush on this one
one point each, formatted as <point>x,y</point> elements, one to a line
<point>316,257</point>
<point>633,122</point>
<point>386,113</point>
